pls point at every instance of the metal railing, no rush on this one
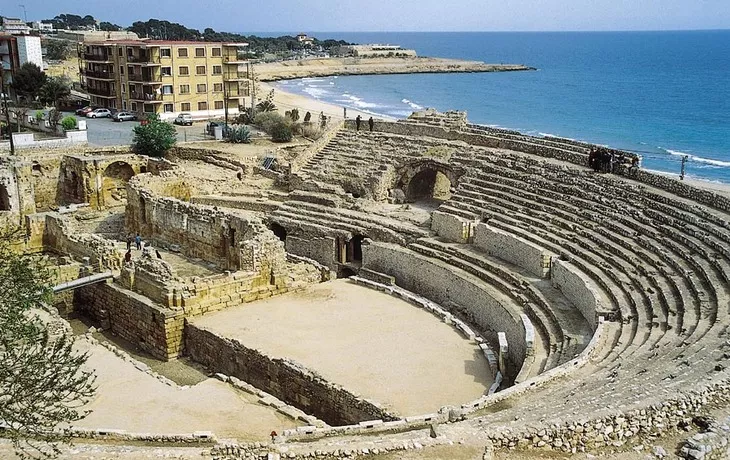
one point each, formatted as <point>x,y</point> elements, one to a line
<point>149,97</point>
<point>144,59</point>
<point>144,78</point>
<point>98,74</point>
<point>97,57</point>
<point>101,91</point>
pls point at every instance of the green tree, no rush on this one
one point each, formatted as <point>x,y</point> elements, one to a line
<point>155,137</point>
<point>109,27</point>
<point>28,80</point>
<point>266,106</point>
<point>54,90</point>
<point>42,384</point>
<point>58,49</point>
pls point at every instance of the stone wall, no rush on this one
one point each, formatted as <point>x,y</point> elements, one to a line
<point>62,238</point>
<point>450,227</point>
<point>321,249</point>
<point>576,287</point>
<point>287,380</point>
<point>513,249</point>
<point>133,317</point>
<point>425,276</point>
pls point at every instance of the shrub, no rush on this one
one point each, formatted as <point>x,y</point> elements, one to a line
<point>307,117</point>
<point>311,131</point>
<point>239,135</point>
<point>281,132</point>
<point>69,122</point>
<point>294,115</point>
<point>265,106</point>
<point>267,120</point>
<point>155,137</point>
<point>39,115</point>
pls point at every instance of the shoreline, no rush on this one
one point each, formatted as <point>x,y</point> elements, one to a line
<point>330,67</point>
<point>288,100</point>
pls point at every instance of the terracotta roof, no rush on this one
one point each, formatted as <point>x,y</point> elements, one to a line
<point>146,42</point>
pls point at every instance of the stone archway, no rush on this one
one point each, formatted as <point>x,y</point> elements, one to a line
<point>427,180</point>
<point>114,187</point>
<point>4,198</point>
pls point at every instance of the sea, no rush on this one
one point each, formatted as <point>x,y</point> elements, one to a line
<point>664,95</point>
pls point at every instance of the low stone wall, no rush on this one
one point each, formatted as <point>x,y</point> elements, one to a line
<point>322,249</point>
<point>60,237</point>
<point>513,249</point>
<point>576,287</point>
<point>424,276</point>
<point>154,329</point>
<point>450,227</point>
<point>287,380</point>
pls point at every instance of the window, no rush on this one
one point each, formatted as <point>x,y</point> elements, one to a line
<point>202,106</point>
<point>121,70</point>
<point>130,70</point>
<point>165,52</point>
<point>202,88</point>
<point>199,52</point>
<point>217,87</point>
<point>134,106</point>
<point>132,87</point>
<point>183,70</point>
<point>200,70</point>
<point>182,52</point>
<point>124,89</point>
<point>184,89</point>
<point>218,105</point>
<point>216,52</point>
<point>121,51</point>
<point>185,107</point>
<point>124,103</point>
<point>129,52</point>
<point>166,89</point>
<point>217,70</point>
<point>169,108</point>
<point>167,71</point>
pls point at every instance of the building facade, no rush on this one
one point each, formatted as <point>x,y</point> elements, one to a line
<point>166,77</point>
<point>8,58</point>
<point>15,26</point>
<point>29,50</point>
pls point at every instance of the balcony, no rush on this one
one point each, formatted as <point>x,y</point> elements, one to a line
<point>232,76</point>
<point>146,97</point>
<point>146,78</point>
<point>98,57</point>
<point>102,75</point>
<point>104,92</point>
<point>232,59</point>
<point>144,60</point>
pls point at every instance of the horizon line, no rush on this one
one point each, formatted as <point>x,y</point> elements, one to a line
<point>483,31</point>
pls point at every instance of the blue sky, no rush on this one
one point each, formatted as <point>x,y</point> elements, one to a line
<point>396,15</point>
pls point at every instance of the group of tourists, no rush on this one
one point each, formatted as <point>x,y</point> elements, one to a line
<point>604,160</point>
<point>358,121</point>
<point>140,246</point>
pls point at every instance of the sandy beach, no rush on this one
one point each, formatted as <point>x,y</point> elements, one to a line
<point>287,101</point>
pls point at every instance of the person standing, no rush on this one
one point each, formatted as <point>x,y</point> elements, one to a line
<point>371,123</point>
<point>138,242</point>
<point>129,242</point>
<point>128,256</point>
<point>358,119</point>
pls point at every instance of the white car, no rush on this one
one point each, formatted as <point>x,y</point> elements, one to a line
<point>99,113</point>
<point>184,119</point>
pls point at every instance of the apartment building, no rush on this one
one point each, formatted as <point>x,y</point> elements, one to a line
<point>166,77</point>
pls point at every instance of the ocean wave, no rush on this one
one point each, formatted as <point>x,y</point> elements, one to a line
<point>315,92</point>
<point>361,104</point>
<point>313,80</point>
<point>412,104</point>
<point>708,161</point>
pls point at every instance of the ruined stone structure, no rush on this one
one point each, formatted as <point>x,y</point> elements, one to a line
<point>600,301</point>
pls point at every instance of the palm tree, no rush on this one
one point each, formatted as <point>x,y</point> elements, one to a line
<point>54,90</point>
<point>266,106</point>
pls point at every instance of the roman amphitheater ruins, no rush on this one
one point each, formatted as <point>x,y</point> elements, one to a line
<point>432,286</point>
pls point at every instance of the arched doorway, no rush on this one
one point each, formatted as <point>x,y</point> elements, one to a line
<point>116,176</point>
<point>4,198</point>
<point>279,231</point>
<point>427,180</point>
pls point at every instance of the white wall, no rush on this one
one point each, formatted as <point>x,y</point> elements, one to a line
<point>29,50</point>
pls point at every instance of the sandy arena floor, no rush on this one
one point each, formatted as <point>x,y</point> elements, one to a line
<point>371,343</point>
<point>131,400</point>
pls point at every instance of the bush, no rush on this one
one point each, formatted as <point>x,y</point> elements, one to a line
<point>39,115</point>
<point>267,120</point>
<point>311,131</point>
<point>281,132</point>
<point>69,122</point>
<point>155,137</point>
<point>239,135</point>
<point>294,115</point>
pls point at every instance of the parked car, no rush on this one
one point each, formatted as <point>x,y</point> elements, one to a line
<point>99,113</point>
<point>184,119</point>
<point>84,110</point>
<point>124,116</point>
